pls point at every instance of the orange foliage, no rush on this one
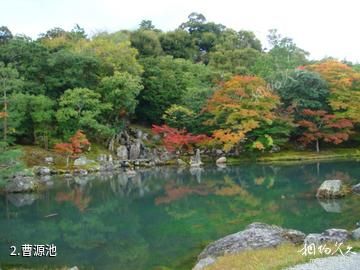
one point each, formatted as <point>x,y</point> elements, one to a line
<point>241,105</point>
<point>344,84</point>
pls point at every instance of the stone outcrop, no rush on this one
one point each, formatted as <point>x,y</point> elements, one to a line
<point>331,189</point>
<point>255,236</point>
<point>122,153</point>
<point>330,235</point>
<point>135,150</point>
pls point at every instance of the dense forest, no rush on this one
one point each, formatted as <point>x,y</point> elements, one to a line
<point>202,78</point>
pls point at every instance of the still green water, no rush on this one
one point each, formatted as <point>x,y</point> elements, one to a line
<point>163,217</point>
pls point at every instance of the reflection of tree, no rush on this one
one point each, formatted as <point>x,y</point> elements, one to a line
<point>76,196</point>
<point>174,192</point>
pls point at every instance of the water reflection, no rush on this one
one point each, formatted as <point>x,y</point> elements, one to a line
<point>162,217</point>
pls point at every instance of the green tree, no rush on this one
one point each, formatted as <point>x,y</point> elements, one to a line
<point>114,52</point>
<point>32,118</point>
<point>121,91</point>
<point>9,82</point>
<point>5,34</point>
<point>146,42</point>
<point>80,109</point>
<point>166,82</point>
<point>303,89</point>
<point>179,44</point>
<point>233,61</point>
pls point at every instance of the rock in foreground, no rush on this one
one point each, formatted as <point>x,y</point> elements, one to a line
<point>256,235</point>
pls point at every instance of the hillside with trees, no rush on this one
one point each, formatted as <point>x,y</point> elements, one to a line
<point>203,78</point>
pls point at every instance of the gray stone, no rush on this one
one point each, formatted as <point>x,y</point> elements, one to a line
<point>221,160</point>
<point>330,235</point>
<point>331,189</point>
<point>195,161</point>
<point>122,152</point>
<point>356,188</point>
<point>42,170</point>
<point>81,161</point>
<point>135,149</point>
<point>356,234</point>
<point>256,235</point>
<point>180,162</point>
<point>21,184</point>
<point>204,263</point>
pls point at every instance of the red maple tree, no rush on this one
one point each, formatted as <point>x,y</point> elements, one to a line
<point>320,125</point>
<point>175,139</point>
<point>77,144</point>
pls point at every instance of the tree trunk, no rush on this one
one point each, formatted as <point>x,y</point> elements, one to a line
<point>317,146</point>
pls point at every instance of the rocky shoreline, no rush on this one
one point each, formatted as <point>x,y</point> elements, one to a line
<point>260,235</point>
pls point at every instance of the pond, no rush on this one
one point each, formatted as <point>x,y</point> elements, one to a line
<point>162,218</point>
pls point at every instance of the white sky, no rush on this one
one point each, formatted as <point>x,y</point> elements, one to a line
<point>324,28</point>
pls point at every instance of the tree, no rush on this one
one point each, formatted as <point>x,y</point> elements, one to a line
<point>77,144</point>
<point>179,117</point>
<point>239,106</point>
<point>114,54</point>
<point>175,139</point>
<point>284,53</point>
<point>121,91</point>
<point>319,125</point>
<point>234,61</point>
<point>32,118</point>
<point>5,34</point>
<point>9,82</point>
<point>166,81</point>
<point>303,89</point>
<point>146,42</point>
<point>179,44</point>
<point>344,87</point>
<point>81,108</point>
<point>29,58</point>
<point>146,25</point>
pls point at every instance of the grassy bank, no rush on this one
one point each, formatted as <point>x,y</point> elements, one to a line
<point>271,258</point>
<point>296,156</point>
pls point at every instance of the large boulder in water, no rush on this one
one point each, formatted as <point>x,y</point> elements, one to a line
<point>331,189</point>
<point>255,236</point>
